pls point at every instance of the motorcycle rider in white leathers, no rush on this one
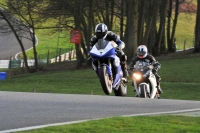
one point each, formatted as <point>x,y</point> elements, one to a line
<point>142,54</point>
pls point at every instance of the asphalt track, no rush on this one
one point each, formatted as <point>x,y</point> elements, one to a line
<point>24,111</point>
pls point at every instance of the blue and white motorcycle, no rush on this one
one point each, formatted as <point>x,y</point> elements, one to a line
<point>110,75</point>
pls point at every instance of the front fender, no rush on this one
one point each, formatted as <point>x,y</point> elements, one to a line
<point>153,82</point>
<point>108,69</point>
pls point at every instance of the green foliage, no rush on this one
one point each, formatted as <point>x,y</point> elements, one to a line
<point>185,30</point>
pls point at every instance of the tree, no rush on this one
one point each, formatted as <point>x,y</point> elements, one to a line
<point>77,13</point>
<point>160,45</point>
<point>171,34</point>
<point>137,21</point>
<point>141,21</point>
<point>17,27</point>
<point>26,12</point>
<point>71,16</point>
<point>197,29</point>
<point>151,21</point>
<point>130,36</point>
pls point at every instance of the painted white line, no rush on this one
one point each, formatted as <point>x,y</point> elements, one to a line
<point>27,49</point>
<point>169,112</point>
<point>41,126</point>
<point>73,122</point>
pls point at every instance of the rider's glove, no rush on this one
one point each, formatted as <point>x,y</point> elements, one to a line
<point>154,70</point>
<point>118,49</point>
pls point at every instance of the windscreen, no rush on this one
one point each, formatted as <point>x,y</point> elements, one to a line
<point>101,44</point>
<point>141,65</point>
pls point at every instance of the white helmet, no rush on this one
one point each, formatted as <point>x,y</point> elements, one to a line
<point>142,51</point>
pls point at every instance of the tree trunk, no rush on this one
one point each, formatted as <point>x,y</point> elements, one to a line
<point>197,29</point>
<point>142,12</point>
<point>122,20</point>
<point>169,25</point>
<point>131,28</point>
<point>34,50</point>
<point>170,39</point>
<point>161,33</point>
<point>90,24</point>
<point>112,14</point>
<point>77,13</point>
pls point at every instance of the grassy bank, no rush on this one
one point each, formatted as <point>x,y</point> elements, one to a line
<point>180,80</point>
<point>139,124</point>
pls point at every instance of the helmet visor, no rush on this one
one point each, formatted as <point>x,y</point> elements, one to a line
<point>100,34</point>
<point>141,54</point>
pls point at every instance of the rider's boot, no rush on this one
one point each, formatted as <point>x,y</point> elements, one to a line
<point>118,73</point>
<point>124,70</point>
<point>123,66</point>
<point>159,88</point>
<point>158,78</point>
<point>125,73</point>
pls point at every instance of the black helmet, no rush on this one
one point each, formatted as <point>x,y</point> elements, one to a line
<point>101,30</point>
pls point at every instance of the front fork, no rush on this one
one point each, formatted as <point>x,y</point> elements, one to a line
<point>138,90</point>
<point>108,68</point>
<point>136,87</point>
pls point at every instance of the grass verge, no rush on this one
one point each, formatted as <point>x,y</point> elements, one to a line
<point>139,124</point>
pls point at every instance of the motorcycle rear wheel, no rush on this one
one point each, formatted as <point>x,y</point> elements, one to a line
<point>106,83</point>
<point>122,90</point>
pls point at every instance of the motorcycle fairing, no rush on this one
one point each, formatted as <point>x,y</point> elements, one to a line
<point>103,49</point>
<point>142,66</point>
<point>118,76</point>
<point>153,85</point>
<point>144,70</point>
<point>147,87</point>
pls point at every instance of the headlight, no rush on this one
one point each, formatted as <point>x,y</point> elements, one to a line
<point>137,76</point>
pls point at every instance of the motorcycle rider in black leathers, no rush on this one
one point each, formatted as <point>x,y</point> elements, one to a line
<point>142,54</point>
<point>101,31</point>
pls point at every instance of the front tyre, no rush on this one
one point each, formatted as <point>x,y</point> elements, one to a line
<point>106,83</point>
<point>143,93</point>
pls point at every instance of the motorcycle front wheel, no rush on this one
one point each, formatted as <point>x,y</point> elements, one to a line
<point>143,92</point>
<point>106,83</point>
